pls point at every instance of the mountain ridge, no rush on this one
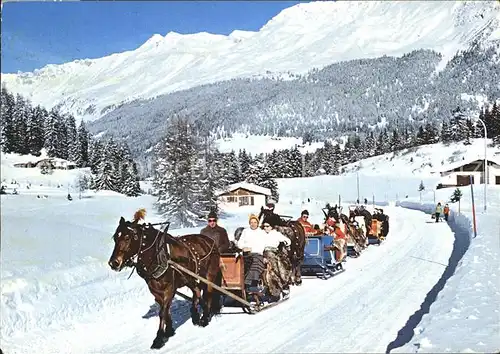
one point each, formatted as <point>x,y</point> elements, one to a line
<point>296,40</point>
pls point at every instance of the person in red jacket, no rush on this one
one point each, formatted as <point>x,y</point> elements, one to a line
<point>332,228</point>
<point>446,212</point>
<point>303,220</point>
<point>340,239</point>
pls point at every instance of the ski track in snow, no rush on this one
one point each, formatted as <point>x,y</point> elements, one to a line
<point>360,310</point>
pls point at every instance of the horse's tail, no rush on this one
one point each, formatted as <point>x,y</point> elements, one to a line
<point>216,295</point>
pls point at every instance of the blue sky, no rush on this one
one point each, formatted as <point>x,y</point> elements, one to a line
<point>38,33</point>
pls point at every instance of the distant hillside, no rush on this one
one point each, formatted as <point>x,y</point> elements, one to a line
<point>358,95</point>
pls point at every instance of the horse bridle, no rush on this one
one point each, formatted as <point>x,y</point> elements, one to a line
<point>162,257</point>
<point>138,233</point>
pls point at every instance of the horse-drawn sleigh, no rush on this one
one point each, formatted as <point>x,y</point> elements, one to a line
<point>168,263</point>
<point>320,257</point>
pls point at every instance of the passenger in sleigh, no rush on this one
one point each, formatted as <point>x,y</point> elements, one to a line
<point>340,239</point>
<point>279,268</point>
<point>253,242</point>
<point>308,227</point>
<point>303,220</point>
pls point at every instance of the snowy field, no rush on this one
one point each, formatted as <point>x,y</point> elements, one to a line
<point>257,144</point>
<point>58,294</point>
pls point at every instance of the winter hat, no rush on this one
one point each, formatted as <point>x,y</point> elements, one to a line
<point>253,216</point>
<point>304,212</point>
<point>212,215</point>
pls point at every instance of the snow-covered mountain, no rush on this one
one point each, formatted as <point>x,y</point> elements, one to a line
<point>302,37</point>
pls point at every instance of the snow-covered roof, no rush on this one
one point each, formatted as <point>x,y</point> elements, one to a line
<point>248,186</point>
<point>460,163</point>
<point>61,162</point>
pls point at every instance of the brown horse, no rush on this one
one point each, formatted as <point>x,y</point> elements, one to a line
<point>361,211</point>
<point>154,251</point>
<point>297,235</point>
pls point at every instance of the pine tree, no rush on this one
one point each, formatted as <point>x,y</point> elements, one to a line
<point>395,140</point>
<point>72,139</point>
<point>20,117</point>
<point>370,145</point>
<point>420,138</point>
<point>253,173</point>
<point>83,159</point>
<point>35,127</point>
<point>295,162</point>
<point>107,177</point>
<point>130,180</point>
<point>51,133</point>
<point>458,126</point>
<point>245,161</point>
<point>230,160</point>
<point>456,197</point>
<point>175,181</point>
<point>495,124</point>
<point>469,132</point>
<point>212,174</point>
<point>489,118</point>
<point>446,134</point>
<point>62,138</point>
<point>421,188</point>
<point>382,143</point>
<point>431,135</point>
<point>312,164</point>
<point>267,181</point>
<point>336,155</point>
<point>97,154</point>
<point>478,127</point>
<point>9,136</point>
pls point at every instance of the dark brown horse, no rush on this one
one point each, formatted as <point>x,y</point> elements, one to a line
<point>151,252</point>
<point>297,235</point>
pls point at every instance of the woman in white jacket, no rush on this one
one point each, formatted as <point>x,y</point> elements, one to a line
<point>253,240</point>
<point>274,238</point>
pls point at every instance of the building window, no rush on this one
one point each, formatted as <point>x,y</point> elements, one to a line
<point>497,180</point>
<point>244,201</point>
<point>464,180</point>
<point>252,201</point>
<point>231,199</point>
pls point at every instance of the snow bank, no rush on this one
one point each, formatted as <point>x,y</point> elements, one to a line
<point>464,303</point>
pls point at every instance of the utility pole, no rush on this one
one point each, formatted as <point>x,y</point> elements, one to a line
<point>485,179</point>
<point>357,184</point>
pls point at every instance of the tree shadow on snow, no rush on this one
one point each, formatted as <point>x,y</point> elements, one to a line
<point>180,311</point>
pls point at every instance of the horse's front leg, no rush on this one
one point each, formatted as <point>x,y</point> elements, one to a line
<point>298,274</point>
<point>297,265</point>
<point>207,304</point>
<point>195,315</point>
<point>165,329</point>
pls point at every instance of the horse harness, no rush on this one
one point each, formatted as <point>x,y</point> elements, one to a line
<point>163,260</point>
